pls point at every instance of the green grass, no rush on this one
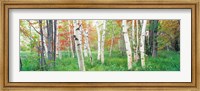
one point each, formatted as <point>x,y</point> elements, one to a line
<point>165,61</point>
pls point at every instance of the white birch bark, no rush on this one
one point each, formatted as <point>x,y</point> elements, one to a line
<point>142,43</point>
<point>70,39</point>
<point>99,40</point>
<point>137,45</point>
<point>102,41</point>
<point>133,39</point>
<point>45,42</point>
<point>85,43</point>
<point>127,43</point>
<point>80,35</point>
<point>78,45</point>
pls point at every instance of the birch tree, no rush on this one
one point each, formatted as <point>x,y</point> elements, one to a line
<point>87,42</point>
<point>99,40</point>
<point>142,43</point>
<point>137,41</point>
<point>127,43</point>
<point>78,45</point>
<point>45,40</point>
<point>70,39</point>
<point>85,46</point>
<point>133,39</point>
<point>102,41</point>
<point>80,34</point>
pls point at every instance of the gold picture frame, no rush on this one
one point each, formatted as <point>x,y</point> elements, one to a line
<point>127,4</point>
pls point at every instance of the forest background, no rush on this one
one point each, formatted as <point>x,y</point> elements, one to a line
<point>99,45</point>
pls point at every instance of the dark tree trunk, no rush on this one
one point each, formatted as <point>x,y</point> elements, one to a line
<point>177,45</point>
<point>55,33</point>
<point>155,30</point>
<point>50,39</point>
<point>20,64</point>
<point>150,44</point>
<point>42,46</point>
<point>38,52</point>
<point>177,39</point>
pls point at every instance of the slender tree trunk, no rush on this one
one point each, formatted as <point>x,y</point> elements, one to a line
<point>87,42</point>
<point>21,65</point>
<point>78,45</point>
<point>111,46</point>
<point>81,36</point>
<point>50,39</point>
<point>99,41</point>
<point>137,45</point>
<point>122,42</point>
<point>85,45</point>
<point>68,48</point>
<point>151,29</point>
<point>55,33</point>
<point>71,45</point>
<point>128,46</point>
<point>59,52</point>
<point>42,47</point>
<point>154,53</point>
<point>102,41</point>
<point>46,40</point>
<point>142,43</point>
<point>134,40</point>
<point>31,36</point>
<point>39,54</point>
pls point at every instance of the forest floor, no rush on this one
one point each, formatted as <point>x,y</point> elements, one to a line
<point>165,61</point>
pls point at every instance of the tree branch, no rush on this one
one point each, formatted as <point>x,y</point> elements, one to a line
<point>32,26</point>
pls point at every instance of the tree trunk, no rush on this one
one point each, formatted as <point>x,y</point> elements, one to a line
<point>39,54</point>
<point>128,46</point>
<point>133,39</point>
<point>137,41</point>
<point>102,41</point>
<point>99,41</point>
<point>142,43</point>
<point>70,39</point>
<point>50,40</point>
<point>30,37</point>
<point>150,49</point>
<point>55,33</point>
<point>78,45</point>
<point>87,42</point>
<point>122,42</point>
<point>155,29</point>
<point>111,46</point>
<point>42,47</point>
<point>46,39</point>
<point>21,64</point>
<point>58,52</point>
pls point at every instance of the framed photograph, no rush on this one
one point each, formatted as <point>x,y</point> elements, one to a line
<point>100,45</point>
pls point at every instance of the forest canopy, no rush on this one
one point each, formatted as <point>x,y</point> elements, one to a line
<point>99,45</point>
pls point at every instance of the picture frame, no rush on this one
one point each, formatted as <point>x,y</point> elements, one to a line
<point>193,5</point>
